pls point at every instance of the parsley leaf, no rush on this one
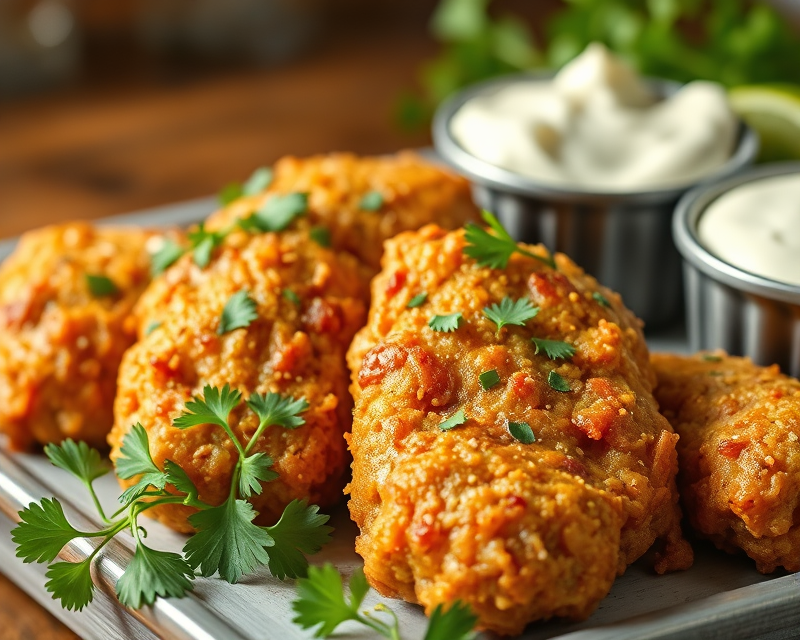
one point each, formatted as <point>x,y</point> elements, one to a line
<point>230,192</point>
<point>255,470</point>
<point>454,624</point>
<point>239,312</point>
<point>78,458</point>
<point>179,479</point>
<point>43,531</point>
<point>258,181</point>
<point>291,296</point>
<point>522,431</point>
<point>152,326</point>
<point>601,299</point>
<point>71,582</point>
<point>446,323</point>
<point>554,349</point>
<point>458,418</point>
<point>516,312</point>
<point>101,286</point>
<point>418,300</point>
<point>227,541</point>
<point>321,599</point>
<point>557,382</point>
<point>274,408</point>
<point>153,573</point>
<point>371,201</point>
<point>135,460</point>
<point>203,243</point>
<point>320,235</point>
<point>495,250</point>
<point>489,378</point>
<point>212,408</point>
<point>277,213</point>
<point>300,530</point>
<point>165,257</point>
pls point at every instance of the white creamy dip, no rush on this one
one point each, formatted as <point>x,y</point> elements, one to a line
<point>756,227</point>
<point>597,125</point>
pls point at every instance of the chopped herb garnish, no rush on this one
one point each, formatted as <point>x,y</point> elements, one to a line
<point>509,311</point>
<point>320,235</point>
<point>710,357</point>
<point>522,431</point>
<point>321,603</point>
<point>458,418</point>
<point>203,243</point>
<point>258,181</point>
<point>152,326</point>
<point>227,541</point>
<point>445,323</point>
<point>554,349</point>
<point>239,312</point>
<point>557,382</point>
<point>495,250</point>
<point>277,213</point>
<point>291,296</point>
<point>100,286</point>
<point>165,257</point>
<point>601,299</point>
<point>489,378</point>
<point>371,201</point>
<point>418,300</point>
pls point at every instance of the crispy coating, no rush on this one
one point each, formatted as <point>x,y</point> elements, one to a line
<point>292,348</point>
<point>414,193</point>
<point>518,531</point>
<point>739,453</point>
<point>60,346</point>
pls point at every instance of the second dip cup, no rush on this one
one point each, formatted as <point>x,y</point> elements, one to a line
<point>621,238</point>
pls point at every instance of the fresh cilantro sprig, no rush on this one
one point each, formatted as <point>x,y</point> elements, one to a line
<point>495,250</point>
<point>277,213</point>
<point>447,323</point>
<point>260,180</point>
<point>554,349</point>
<point>321,603</point>
<point>516,312</point>
<point>227,542</point>
<point>165,257</point>
<point>101,286</point>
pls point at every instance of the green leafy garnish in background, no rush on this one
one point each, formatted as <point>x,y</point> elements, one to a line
<point>227,541</point>
<point>321,603</point>
<point>259,181</point>
<point>101,286</point>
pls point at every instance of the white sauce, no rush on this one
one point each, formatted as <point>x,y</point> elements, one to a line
<point>597,125</point>
<point>756,227</point>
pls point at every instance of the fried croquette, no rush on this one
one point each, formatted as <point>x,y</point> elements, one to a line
<point>739,454</point>
<point>66,295</point>
<point>520,528</point>
<point>405,192</point>
<point>310,301</point>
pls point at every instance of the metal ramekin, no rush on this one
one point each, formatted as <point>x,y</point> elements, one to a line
<point>729,308</point>
<point>623,239</point>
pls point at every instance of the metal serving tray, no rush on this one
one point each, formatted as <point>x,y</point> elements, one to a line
<point>721,596</point>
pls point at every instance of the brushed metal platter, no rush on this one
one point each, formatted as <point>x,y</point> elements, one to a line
<point>720,597</point>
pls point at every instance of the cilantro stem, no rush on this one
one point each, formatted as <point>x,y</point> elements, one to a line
<point>97,504</point>
<point>261,428</point>
<point>549,260</point>
<point>391,632</point>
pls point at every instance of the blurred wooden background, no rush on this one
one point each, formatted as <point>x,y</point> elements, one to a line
<point>135,128</point>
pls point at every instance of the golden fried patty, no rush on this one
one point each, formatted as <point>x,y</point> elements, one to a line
<point>739,452</point>
<point>296,346</point>
<point>60,343</point>
<point>410,192</point>
<point>519,531</point>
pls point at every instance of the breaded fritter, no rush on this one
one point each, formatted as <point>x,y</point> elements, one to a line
<point>60,344</point>
<point>739,452</point>
<point>413,193</point>
<point>518,531</point>
<point>293,347</point>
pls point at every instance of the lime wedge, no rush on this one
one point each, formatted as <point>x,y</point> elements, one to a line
<point>774,112</point>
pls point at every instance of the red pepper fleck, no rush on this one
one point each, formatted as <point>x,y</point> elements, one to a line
<point>732,448</point>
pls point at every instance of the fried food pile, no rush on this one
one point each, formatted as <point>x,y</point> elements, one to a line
<point>739,454</point>
<point>519,529</point>
<point>310,300</point>
<point>66,297</point>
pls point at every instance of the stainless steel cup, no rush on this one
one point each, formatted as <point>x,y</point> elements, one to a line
<point>729,308</point>
<point>623,239</point>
